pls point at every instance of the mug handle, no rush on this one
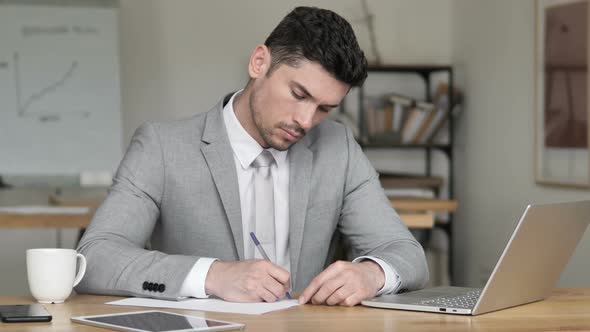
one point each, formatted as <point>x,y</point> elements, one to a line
<point>81,270</point>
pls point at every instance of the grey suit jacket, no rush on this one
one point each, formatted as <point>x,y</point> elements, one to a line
<point>176,191</point>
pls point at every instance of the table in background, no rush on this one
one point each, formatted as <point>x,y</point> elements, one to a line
<point>567,309</point>
<point>421,217</point>
<point>79,197</point>
<point>45,220</point>
<point>414,216</point>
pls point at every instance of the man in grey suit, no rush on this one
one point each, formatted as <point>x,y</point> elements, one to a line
<point>188,193</point>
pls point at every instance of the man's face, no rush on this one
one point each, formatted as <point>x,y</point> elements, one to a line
<point>288,103</point>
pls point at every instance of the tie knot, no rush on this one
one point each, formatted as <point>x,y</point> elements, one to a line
<point>264,159</point>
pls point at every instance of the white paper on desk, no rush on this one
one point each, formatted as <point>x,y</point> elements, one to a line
<point>209,305</point>
<point>44,209</point>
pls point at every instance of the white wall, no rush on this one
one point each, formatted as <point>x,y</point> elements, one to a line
<point>493,43</point>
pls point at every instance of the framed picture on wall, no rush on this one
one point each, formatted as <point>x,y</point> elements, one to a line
<point>561,93</point>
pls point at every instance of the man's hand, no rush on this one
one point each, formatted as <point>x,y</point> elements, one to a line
<point>247,281</point>
<point>345,283</point>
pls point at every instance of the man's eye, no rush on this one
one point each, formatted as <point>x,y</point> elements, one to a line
<point>296,96</point>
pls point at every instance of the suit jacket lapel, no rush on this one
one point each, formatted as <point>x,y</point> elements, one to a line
<point>218,154</point>
<point>300,166</point>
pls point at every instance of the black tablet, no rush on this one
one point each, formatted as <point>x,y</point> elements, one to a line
<point>154,320</point>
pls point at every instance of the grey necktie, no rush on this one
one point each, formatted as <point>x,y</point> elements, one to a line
<point>264,204</point>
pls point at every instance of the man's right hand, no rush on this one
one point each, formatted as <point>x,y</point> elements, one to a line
<point>247,281</point>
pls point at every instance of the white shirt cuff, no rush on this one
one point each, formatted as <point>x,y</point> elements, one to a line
<point>194,284</point>
<point>392,280</point>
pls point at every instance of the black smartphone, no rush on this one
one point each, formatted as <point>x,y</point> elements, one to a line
<point>18,313</point>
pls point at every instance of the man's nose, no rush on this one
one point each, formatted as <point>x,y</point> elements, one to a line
<point>304,117</point>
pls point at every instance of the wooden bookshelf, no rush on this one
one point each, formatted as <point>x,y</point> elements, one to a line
<point>395,181</point>
<point>412,204</point>
<point>421,220</point>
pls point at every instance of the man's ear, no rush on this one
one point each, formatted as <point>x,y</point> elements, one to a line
<point>259,62</point>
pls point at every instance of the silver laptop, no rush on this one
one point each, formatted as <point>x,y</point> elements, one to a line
<point>530,266</point>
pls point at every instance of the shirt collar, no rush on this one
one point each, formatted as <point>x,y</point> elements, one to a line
<point>244,146</point>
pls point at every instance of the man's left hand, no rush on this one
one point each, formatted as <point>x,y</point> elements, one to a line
<point>344,283</point>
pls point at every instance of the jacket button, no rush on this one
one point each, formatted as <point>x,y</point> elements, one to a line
<point>161,288</point>
<point>145,285</point>
<point>156,287</point>
<point>151,286</point>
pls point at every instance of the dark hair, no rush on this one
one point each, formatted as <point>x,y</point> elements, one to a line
<point>322,36</point>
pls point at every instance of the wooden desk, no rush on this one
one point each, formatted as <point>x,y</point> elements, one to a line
<point>566,310</point>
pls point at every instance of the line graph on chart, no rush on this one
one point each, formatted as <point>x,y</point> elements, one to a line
<point>30,104</point>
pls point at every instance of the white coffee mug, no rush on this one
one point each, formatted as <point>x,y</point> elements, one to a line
<point>52,273</point>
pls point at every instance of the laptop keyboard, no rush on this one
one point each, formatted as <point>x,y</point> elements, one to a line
<point>464,301</point>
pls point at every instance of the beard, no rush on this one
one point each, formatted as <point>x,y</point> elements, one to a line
<point>274,141</point>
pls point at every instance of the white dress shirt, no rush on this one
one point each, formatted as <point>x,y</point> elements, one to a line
<point>246,149</point>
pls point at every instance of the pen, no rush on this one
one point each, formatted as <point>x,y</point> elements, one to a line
<point>263,253</point>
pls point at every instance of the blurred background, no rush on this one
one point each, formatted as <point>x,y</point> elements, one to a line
<point>78,77</point>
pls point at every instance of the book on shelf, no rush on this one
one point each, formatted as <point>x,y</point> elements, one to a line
<point>398,119</point>
<point>431,111</point>
<point>398,113</point>
<point>433,126</point>
<point>418,118</point>
<point>400,105</point>
<point>374,117</point>
<point>387,117</point>
<point>443,112</point>
<point>370,121</point>
<point>403,101</point>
